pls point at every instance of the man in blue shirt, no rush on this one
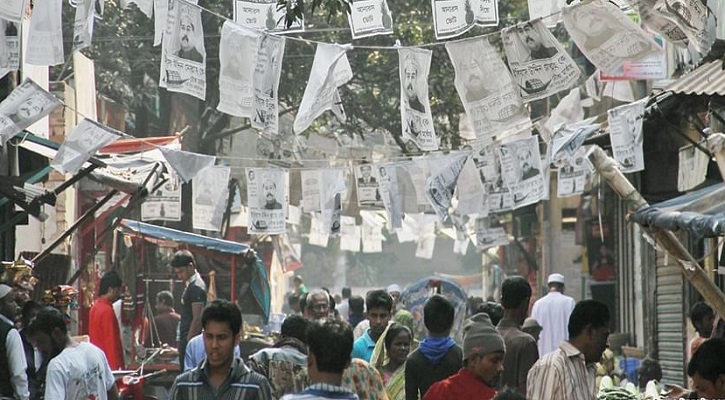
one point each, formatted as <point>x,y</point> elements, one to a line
<point>380,309</point>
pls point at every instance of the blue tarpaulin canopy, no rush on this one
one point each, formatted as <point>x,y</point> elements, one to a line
<point>701,213</point>
<point>191,239</point>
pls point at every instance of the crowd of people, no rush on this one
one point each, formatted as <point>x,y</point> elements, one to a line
<point>341,348</point>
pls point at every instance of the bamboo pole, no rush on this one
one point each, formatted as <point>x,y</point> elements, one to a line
<point>716,145</point>
<point>607,168</point>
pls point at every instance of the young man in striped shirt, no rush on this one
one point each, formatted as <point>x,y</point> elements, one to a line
<point>567,373</point>
<point>221,375</point>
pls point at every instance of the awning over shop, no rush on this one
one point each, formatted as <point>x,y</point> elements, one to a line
<point>172,235</point>
<point>707,79</point>
<point>701,212</point>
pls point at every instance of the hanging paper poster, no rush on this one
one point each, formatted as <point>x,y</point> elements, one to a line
<point>332,184</point>
<point>441,184</point>
<point>184,56</point>
<point>539,64</point>
<point>26,105</point>
<point>390,193</point>
<point>492,105</point>
<point>487,236</point>
<point>210,192</point>
<point>350,234</point>
<point>146,6</point>
<point>265,115</point>
<point>83,25</point>
<point>626,133</point>
<point>522,171</point>
<point>9,47</point>
<point>330,70</point>
<point>549,10</point>
<point>573,174</point>
<point>45,37</point>
<point>85,140</point>
<point>370,18</point>
<point>659,22</point>
<point>691,17</point>
<point>237,57</point>
<point>486,12</point>
<point>12,10</point>
<point>452,18</point>
<point>499,198</point>
<point>653,67</point>
<point>310,190</point>
<point>368,187</point>
<point>268,201</point>
<point>160,18</point>
<point>264,15</point>
<point>164,204</point>
<point>606,35</point>
<point>415,114</point>
<point>569,138</point>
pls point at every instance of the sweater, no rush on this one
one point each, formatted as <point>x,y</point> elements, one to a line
<point>420,374</point>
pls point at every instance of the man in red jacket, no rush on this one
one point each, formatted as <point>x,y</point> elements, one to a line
<point>483,352</point>
<point>104,330</point>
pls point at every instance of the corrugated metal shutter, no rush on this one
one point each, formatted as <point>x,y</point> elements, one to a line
<point>670,321</point>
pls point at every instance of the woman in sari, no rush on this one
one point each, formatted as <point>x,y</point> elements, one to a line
<point>397,346</point>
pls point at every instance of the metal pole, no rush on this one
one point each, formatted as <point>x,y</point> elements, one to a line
<point>607,168</point>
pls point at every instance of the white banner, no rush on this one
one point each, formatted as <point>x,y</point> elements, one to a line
<point>549,10</point>
<point>539,64</point>
<point>264,15</point>
<point>310,190</point>
<point>45,38</point>
<point>370,18</point>
<point>186,164</point>
<point>415,114</point>
<point>330,70</point>
<point>26,104</point>
<point>332,184</point>
<point>161,8</point>
<point>606,35</point>
<point>210,191</point>
<point>267,198</point>
<point>492,105</point>
<point>350,234</point>
<point>626,133</point>
<point>183,64</point>
<point>488,162</point>
<point>471,193</point>
<point>425,243</point>
<point>164,204</point>
<point>319,236</point>
<point>392,200</point>
<point>238,59</point>
<point>85,140</point>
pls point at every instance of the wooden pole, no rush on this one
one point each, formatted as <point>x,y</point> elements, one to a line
<point>607,168</point>
<point>716,145</point>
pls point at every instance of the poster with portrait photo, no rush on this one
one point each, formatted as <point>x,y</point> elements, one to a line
<point>368,187</point>
<point>26,105</point>
<point>12,10</point>
<point>277,150</point>
<point>441,184</point>
<point>606,35</point>
<point>210,192</point>
<point>415,114</point>
<point>522,170</point>
<point>370,18</point>
<point>569,138</point>
<point>268,201</point>
<point>237,58</point>
<point>83,24</point>
<point>691,17</point>
<point>164,204</point>
<point>492,105</point>
<point>265,112</point>
<point>183,64</point>
<point>660,23</point>
<point>85,140</point>
<point>627,135</point>
<point>45,36</point>
<point>264,15</point>
<point>330,70</point>
<point>332,185</point>
<point>573,174</point>
<point>539,64</point>
<point>488,236</point>
<point>498,197</point>
<point>9,47</point>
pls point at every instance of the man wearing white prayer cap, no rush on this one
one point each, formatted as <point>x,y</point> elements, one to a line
<point>14,380</point>
<point>394,292</point>
<point>552,312</point>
